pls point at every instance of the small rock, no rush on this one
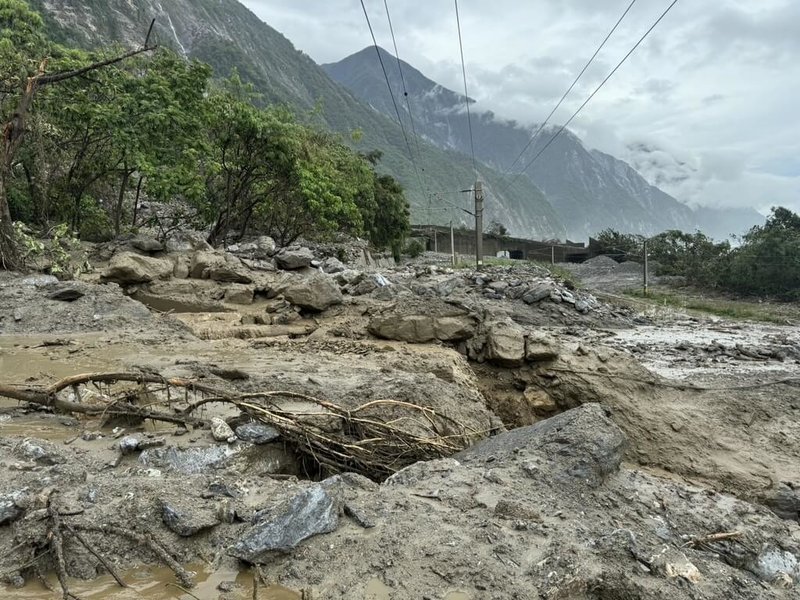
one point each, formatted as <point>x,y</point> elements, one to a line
<point>257,433</point>
<point>9,511</point>
<point>186,521</point>
<point>221,431</point>
<point>129,444</point>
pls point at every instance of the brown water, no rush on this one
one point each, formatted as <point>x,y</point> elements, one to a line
<point>153,584</point>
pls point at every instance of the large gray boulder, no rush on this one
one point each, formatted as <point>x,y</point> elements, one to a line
<point>582,445</point>
<point>309,513</point>
<point>146,244</point>
<point>129,268</point>
<point>219,266</point>
<point>505,344</point>
<point>293,258</point>
<point>315,293</point>
<point>188,461</point>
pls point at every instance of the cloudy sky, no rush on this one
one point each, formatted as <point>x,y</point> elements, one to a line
<point>707,106</point>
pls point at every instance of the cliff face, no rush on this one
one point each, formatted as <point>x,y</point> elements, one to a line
<point>228,36</point>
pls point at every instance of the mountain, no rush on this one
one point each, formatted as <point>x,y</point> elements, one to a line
<point>589,189</point>
<point>228,36</point>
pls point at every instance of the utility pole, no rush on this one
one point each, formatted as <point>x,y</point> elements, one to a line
<point>435,240</point>
<point>452,243</point>
<point>645,267</point>
<point>552,255</point>
<point>478,224</point>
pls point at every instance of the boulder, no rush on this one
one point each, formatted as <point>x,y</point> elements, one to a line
<point>333,265</point>
<point>539,400</point>
<point>218,266</point>
<point>257,433</point>
<point>66,294</point>
<point>537,293</point>
<point>128,268</point>
<point>146,244</point>
<point>315,293</point>
<point>505,344</point>
<point>185,519</point>
<point>784,501</point>
<point>582,445</point>
<point>187,241</point>
<point>419,329</point>
<point>310,512</point>
<point>238,293</point>
<point>293,258</point>
<point>265,246</point>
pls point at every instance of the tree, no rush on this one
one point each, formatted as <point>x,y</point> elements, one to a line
<point>497,229</point>
<point>22,44</point>
<point>692,255</point>
<point>621,246</point>
<point>768,260</point>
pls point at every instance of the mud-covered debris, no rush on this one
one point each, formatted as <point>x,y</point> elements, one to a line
<point>185,519</point>
<point>147,244</point>
<point>39,451</point>
<point>505,343</point>
<point>784,501</point>
<point>256,433</point>
<point>309,513</point>
<point>66,294</point>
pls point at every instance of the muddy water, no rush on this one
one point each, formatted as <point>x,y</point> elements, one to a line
<point>34,426</point>
<point>154,584</point>
<point>377,590</point>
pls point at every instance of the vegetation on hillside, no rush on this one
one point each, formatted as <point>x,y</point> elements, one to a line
<point>155,126</point>
<point>765,263</point>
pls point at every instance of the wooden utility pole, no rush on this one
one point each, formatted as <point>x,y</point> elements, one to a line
<point>645,267</point>
<point>478,190</point>
<point>452,243</point>
<point>552,255</point>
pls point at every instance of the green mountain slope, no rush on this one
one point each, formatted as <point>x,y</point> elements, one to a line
<point>228,36</point>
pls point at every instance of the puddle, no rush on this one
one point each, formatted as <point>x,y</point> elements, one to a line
<point>36,427</point>
<point>154,584</point>
<point>377,590</point>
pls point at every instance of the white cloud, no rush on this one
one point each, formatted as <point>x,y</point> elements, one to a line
<point>715,84</point>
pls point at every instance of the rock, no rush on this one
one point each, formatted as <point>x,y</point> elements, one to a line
<point>128,267</point>
<point>498,286</point>
<point>370,284</point>
<point>419,329</point>
<point>188,461</point>
<point>147,244</point>
<point>309,513</point>
<point>221,431</point>
<point>784,501</point>
<point>333,265</point>
<point>348,276</point>
<point>9,511</point>
<point>257,433</point>
<point>239,294</point>
<point>567,297</point>
<point>293,258</point>
<point>40,451</point>
<point>541,347</point>
<point>187,241</point>
<point>582,306</point>
<point>581,445</point>
<point>218,266</point>
<point>265,246</point>
<point>66,294</point>
<point>39,280</point>
<point>314,293</point>
<point>539,400</point>
<point>187,520</point>
<point>537,293</point>
<point>774,562</point>
<point>505,344</point>
<point>129,444</point>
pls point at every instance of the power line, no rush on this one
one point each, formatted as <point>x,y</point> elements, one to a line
<point>466,93</point>
<point>597,89</point>
<point>391,93</point>
<point>403,80</point>
<point>569,89</point>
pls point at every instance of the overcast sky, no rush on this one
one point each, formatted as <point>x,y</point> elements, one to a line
<point>714,88</point>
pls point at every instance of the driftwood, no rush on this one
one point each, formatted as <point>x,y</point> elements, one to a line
<point>375,439</point>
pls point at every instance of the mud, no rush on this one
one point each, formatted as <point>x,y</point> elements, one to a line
<point>692,461</point>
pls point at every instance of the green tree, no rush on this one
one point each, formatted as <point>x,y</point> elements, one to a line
<point>768,260</point>
<point>622,246</point>
<point>692,255</point>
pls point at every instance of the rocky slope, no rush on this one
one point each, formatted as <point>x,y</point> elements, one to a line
<point>227,35</point>
<point>589,189</point>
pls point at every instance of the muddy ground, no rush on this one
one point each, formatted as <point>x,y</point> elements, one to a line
<point>623,455</point>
